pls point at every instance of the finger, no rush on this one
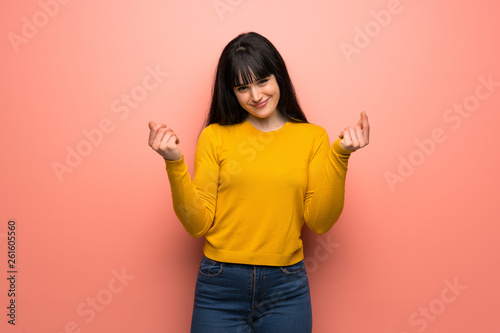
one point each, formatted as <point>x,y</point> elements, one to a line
<point>158,126</point>
<point>362,117</point>
<point>168,129</point>
<point>169,141</point>
<point>360,136</point>
<point>360,121</point>
<point>162,133</point>
<point>346,139</point>
<point>154,127</point>
<point>341,134</point>
<point>354,138</point>
<point>153,132</point>
<point>157,138</point>
<point>366,128</point>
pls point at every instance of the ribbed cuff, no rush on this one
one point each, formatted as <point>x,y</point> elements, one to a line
<point>176,165</point>
<point>337,148</point>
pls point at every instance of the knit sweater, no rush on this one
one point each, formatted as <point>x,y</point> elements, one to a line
<point>252,191</point>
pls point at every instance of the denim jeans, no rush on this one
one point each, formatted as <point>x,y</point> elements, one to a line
<point>236,298</point>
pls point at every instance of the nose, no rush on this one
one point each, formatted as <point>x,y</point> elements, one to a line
<point>255,94</point>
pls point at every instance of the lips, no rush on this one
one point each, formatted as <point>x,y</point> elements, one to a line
<point>261,104</point>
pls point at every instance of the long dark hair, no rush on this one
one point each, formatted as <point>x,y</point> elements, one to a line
<point>248,57</point>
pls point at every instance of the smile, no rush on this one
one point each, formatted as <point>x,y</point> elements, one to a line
<point>261,104</point>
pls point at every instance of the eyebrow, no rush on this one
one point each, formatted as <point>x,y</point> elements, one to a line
<point>243,85</point>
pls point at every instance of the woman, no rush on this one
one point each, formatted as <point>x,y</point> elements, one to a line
<point>261,171</point>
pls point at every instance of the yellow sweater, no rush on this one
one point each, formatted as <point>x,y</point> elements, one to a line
<point>252,191</point>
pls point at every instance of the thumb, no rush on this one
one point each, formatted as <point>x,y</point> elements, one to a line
<point>362,119</point>
<point>151,124</point>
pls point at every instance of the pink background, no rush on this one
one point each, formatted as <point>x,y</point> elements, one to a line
<point>416,248</point>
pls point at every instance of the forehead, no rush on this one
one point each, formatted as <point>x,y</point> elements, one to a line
<point>246,69</point>
<point>249,77</point>
<point>246,78</point>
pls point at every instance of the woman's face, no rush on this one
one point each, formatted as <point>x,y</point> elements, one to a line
<point>260,98</point>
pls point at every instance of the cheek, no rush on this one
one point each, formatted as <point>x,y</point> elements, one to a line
<point>274,89</point>
<point>276,92</point>
<point>241,99</point>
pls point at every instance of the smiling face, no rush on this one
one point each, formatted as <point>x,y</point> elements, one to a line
<point>259,98</point>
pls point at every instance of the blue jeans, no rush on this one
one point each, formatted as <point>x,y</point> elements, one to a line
<point>236,298</point>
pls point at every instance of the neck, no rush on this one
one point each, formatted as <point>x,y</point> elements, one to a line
<point>268,124</point>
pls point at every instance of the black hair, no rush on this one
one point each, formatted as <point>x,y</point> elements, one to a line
<point>247,58</point>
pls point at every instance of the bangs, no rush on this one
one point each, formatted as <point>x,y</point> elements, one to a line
<point>247,68</point>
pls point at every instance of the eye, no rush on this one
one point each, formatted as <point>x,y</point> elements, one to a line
<point>242,89</point>
<point>263,81</point>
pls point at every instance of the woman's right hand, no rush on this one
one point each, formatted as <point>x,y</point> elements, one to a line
<point>164,141</point>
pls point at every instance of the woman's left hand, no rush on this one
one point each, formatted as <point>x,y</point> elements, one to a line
<point>356,137</point>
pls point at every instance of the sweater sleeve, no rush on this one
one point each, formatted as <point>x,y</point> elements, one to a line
<point>195,201</point>
<point>324,198</point>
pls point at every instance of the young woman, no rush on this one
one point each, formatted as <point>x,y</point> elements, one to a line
<point>261,171</point>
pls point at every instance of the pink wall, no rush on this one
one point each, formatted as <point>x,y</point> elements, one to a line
<point>98,247</point>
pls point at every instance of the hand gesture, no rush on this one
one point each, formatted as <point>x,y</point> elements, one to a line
<point>356,137</point>
<point>164,141</point>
